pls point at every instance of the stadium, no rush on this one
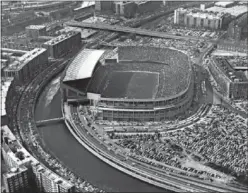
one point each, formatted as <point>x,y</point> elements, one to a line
<point>139,84</point>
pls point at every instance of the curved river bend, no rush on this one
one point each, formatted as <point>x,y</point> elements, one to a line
<point>66,148</point>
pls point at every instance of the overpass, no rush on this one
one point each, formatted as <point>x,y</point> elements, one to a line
<point>138,31</point>
<point>49,121</point>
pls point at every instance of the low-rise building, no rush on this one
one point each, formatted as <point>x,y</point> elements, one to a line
<point>233,84</point>
<point>59,46</point>
<point>234,46</point>
<point>28,65</point>
<point>34,31</point>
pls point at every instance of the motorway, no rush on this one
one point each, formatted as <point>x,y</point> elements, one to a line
<point>171,179</point>
<point>138,31</point>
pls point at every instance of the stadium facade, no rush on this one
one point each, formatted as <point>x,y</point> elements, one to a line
<point>140,84</point>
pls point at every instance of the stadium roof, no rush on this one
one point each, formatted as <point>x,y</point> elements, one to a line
<point>83,64</point>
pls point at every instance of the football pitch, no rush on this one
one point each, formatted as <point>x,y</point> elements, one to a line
<point>131,85</point>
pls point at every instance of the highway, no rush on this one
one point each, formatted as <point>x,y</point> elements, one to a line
<point>177,180</point>
<point>138,31</point>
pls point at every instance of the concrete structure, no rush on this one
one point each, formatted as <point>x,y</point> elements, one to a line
<point>15,155</point>
<point>61,45</point>
<point>81,79</point>
<point>233,84</point>
<point>198,18</point>
<point>17,180</point>
<point>28,65</point>
<point>34,31</point>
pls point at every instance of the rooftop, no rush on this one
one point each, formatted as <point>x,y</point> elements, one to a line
<point>223,4</point>
<point>13,171</point>
<point>4,90</point>
<point>85,4</point>
<point>85,33</point>
<point>35,27</point>
<point>202,13</point>
<point>24,59</point>
<point>83,64</point>
<point>234,11</point>
<point>60,38</point>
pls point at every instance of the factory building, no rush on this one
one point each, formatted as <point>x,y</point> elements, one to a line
<point>28,65</point>
<point>29,170</point>
<point>34,31</point>
<point>61,45</point>
<point>198,18</point>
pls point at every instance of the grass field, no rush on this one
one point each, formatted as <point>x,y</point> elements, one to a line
<point>131,84</point>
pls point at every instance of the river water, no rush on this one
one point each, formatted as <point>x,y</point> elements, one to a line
<point>66,148</point>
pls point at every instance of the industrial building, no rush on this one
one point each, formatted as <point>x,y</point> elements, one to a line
<point>198,18</point>
<point>34,31</point>
<point>28,168</point>
<point>233,84</point>
<point>17,180</point>
<point>28,65</point>
<point>61,45</point>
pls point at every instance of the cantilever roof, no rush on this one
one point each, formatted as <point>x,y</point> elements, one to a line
<point>83,64</point>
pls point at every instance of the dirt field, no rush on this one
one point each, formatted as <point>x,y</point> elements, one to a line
<point>129,84</point>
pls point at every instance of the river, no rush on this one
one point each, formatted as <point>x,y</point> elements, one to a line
<point>66,148</point>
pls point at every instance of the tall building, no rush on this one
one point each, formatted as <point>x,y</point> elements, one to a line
<point>37,174</point>
<point>61,45</point>
<point>48,181</point>
<point>17,180</point>
<point>198,18</point>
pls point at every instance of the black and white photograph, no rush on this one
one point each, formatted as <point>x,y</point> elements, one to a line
<point>124,96</point>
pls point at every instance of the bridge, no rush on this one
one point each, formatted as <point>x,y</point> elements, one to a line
<point>138,31</point>
<point>49,121</point>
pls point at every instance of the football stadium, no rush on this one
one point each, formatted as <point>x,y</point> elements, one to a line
<point>139,84</point>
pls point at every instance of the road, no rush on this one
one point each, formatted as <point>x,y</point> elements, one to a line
<point>138,31</point>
